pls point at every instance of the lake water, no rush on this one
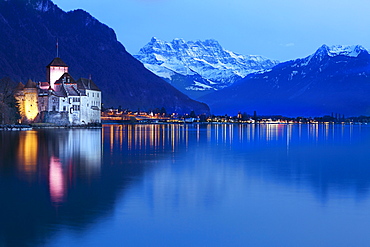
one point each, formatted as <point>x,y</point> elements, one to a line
<point>186,185</point>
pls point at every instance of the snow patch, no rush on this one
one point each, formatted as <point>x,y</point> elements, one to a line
<point>159,57</point>
<point>42,6</point>
<point>198,86</point>
<point>349,51</point>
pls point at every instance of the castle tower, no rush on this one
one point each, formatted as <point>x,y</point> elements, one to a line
<point>30,102</point>
<point>55,70</point>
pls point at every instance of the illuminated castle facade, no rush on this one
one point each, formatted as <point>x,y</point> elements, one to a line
<point>61,100</point>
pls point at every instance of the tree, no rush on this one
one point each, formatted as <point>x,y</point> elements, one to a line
<point>255,118</point>
<point>9,112</point>
<point>245,116</point>
<point>163,111</point>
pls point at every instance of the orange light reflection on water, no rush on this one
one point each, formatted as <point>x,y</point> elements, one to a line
<point>27,152</point>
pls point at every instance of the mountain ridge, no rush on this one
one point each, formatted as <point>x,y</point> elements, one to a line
<point>198,65</point>
<point>332,79</point>
<point>27,44</point>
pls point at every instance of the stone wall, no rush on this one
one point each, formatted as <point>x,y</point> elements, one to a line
<point>54,117</point>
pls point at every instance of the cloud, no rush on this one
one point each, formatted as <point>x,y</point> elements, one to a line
<point>288,45</point>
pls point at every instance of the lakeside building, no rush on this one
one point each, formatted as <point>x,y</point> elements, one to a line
<point>61,99</point>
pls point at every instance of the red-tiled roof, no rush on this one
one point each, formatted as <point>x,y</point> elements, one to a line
<point>44,83</point>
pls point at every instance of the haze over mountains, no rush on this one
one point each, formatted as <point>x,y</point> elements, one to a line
<point>30,29</point>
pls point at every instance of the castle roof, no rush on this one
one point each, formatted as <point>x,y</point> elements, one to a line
<point>30,84</point>
<point>84,84</point>
<point>64,90</point>
<point>65,78</point>
<point>44,85</point>
<point>60,92</point>
<point>71,90</point>
<point>20,86</point>
<point>57,62</point>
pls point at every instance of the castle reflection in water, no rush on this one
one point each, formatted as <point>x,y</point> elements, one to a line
<point>63,156</point>
<point>57,178</point>
<point>59,155</point>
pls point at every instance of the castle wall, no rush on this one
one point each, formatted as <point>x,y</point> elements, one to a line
<point>28,104</point>
<point>54,73</point>
<point>93,106</point>
<point>63,104</point>
<point>53,104</point>
<point>58,118</point>
<point>75,109</point>
<point>84,110</point>
<point>43,102</point>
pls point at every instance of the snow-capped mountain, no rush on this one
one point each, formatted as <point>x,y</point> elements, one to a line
<point>333,79</point>
<point>200,66</point>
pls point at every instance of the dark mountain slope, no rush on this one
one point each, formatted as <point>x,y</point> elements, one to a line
<point>332,80</point>
<point>29,30</point>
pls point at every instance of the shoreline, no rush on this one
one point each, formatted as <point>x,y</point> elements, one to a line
<point>24,127</point>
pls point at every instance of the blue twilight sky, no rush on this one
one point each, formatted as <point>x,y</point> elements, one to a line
<point>282,30</point>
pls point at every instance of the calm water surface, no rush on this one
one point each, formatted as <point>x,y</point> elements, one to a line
<point>186,185</point>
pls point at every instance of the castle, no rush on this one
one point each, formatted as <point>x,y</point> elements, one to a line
<point>61,100</point>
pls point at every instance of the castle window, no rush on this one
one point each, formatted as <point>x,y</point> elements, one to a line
<point>76,108</point>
